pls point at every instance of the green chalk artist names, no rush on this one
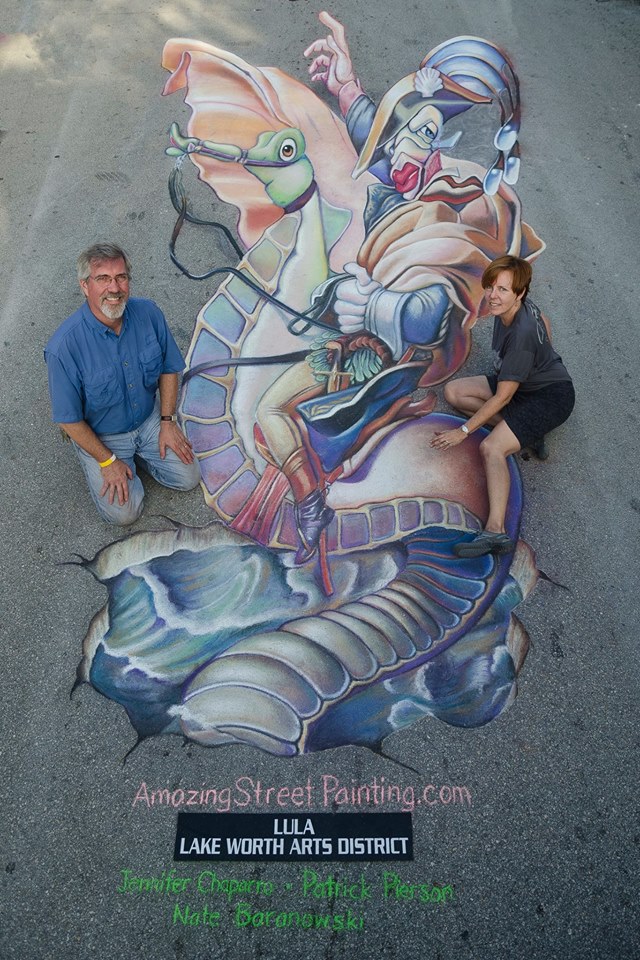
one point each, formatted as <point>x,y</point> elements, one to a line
<point>329,902</point>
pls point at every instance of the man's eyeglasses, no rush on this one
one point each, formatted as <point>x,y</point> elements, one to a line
<point>103,279</point>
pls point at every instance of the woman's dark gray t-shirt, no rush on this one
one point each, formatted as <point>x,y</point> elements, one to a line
<point>522,351</point>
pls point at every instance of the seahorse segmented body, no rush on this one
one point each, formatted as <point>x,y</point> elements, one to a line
<point>273,689</point>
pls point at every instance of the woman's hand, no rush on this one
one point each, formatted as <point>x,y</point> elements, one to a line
<point>443,439</point>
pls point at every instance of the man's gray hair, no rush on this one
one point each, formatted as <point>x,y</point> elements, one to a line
<point>97,252</point>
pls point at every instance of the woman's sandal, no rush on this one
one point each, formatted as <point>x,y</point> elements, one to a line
<point>483,543</point>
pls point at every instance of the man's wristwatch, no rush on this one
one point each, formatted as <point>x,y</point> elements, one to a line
<point>465,429</point>
<point>171,418</point>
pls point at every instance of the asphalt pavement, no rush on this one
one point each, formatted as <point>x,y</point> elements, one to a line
<point>544,857</point>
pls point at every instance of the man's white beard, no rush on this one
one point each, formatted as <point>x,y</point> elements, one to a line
<point>113,310</point>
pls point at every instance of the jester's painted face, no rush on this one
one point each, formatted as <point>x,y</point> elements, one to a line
<point>411,148</point>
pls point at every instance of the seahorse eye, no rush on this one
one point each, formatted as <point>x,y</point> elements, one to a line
<point>287,149</point>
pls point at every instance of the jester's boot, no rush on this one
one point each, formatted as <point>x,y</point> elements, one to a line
<point>312,513</point>
<point>312,516</point>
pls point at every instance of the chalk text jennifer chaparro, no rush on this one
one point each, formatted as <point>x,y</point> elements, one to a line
<point>327,791</point>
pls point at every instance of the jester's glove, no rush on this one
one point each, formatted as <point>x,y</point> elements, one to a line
<point>352,297</point>
<point>419,316</point>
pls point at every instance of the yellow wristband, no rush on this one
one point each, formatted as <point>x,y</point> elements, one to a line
<point>107,463</point>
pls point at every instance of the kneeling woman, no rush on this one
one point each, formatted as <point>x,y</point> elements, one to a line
<point>529,394</point>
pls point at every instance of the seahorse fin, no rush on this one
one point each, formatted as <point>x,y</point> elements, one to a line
<point>335,221</point>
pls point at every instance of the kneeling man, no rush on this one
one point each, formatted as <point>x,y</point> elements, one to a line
<point>113,380</point>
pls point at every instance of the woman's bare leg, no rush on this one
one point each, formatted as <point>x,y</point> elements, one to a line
<point>468,394</point>
<point>495,449</point>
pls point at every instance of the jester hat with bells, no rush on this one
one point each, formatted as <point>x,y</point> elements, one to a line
<point>470,71</point>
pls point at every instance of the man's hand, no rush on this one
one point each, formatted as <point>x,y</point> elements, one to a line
<point>172,436</point>
<point>170,433</point>
<point>115,477</point>
<point>331,62</point>
<point>352,297</point>
<point>115,480</point>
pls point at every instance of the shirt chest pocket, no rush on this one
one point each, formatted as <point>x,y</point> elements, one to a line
<point>102,390</point>
<point>150,360</point>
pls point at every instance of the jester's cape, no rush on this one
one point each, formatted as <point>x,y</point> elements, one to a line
<point>449,235</point>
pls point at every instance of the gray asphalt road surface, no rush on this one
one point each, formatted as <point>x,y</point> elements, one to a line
<point>544,861</point>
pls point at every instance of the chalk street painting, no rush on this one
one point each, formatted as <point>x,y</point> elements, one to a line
<point>324,605</point>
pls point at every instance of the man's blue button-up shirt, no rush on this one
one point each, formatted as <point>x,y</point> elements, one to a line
<point>106,379</point>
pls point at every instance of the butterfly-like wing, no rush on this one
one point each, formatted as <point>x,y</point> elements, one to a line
<point>234,102</point>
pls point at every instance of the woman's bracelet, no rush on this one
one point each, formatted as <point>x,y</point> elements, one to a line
<point>107,463</point>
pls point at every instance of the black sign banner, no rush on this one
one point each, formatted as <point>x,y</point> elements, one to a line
<point>313,836</point>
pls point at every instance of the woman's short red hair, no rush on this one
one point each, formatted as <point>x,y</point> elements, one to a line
<point>519,269</point>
